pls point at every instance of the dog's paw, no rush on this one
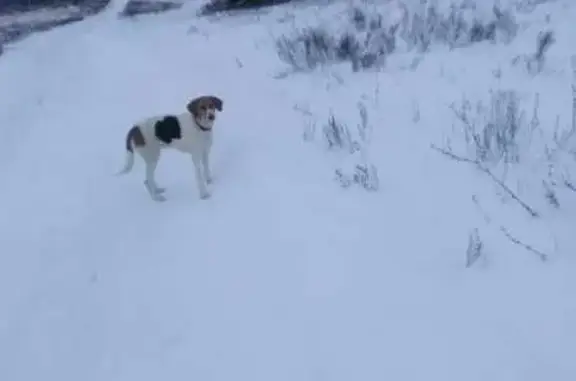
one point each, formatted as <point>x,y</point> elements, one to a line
<point>153,189</point>
<point>158,198</point>
<point>205,196</point>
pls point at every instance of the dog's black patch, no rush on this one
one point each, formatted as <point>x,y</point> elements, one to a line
<point>168,129</point>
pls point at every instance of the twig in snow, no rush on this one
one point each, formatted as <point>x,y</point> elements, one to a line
<point>479,166</point>
<point>543,257</point>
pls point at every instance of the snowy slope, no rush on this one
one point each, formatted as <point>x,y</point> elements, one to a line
<point>282,274</point>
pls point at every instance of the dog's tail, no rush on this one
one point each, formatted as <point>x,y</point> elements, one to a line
<point>133,137</point>
<point>128,164</point>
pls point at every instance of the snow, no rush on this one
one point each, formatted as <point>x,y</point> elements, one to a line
<point>282,274</point>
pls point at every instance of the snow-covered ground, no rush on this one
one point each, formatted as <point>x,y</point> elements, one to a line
<point>282,274</point>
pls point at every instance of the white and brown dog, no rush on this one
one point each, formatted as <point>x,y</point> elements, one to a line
<point>189,132</point>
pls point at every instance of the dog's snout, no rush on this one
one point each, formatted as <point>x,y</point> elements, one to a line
<point>211,117</point>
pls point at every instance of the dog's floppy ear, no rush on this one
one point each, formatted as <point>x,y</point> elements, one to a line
<point>193,106</point>
<point>217,102</point>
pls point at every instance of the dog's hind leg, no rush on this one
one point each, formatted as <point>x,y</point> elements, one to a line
<point>151,156</point>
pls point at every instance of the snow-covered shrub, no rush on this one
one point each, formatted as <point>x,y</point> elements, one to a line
<point>54,13</point>
<point>215,6</point>
<point>500,137</point>
<point>497,139</point>
<point>365,45</point>
<point>87,6</point>
<point>18,30</point>
<point>492,132</point>
<point>532,165</point>
<point>308,50</point>
<point>459,27</point>
<point>535,62</point>
<point>475,247</point>
<point>337,136</point>
<point>367,38</point>
<point>364,175</point>
<point>348,144</point>
<point>361,172</point>
<point>527,6</point>
<point>560,155</point>
<point>138,7</point>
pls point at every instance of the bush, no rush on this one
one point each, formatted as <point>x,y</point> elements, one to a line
<point>534,62</point>
<point>460,27</point>
<point>365,47</point>
<point>541,167</point>
<point>364,175</point>
<point>17,30</point>
<point>475,248</point>
<point>87,6</point>
<point>138,7</point>
<point>215,6</point>
<point>338,138</point>
<point>492,132</point>
<point>307,51</point>
<point>368,40</point>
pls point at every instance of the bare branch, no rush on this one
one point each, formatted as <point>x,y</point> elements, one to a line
<point>506,233</point>
<point>543,257</point>
<point>573,126</point>
<point>462,116</point>
<point>531,211</point>
<point>479,166</point>
<point>453,156</point>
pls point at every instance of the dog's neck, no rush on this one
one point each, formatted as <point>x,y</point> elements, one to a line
<point>201,127</point>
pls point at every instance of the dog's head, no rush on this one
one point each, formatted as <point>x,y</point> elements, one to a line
<point>204,110</point>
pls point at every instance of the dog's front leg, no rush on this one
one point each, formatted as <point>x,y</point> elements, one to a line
<point>206,167</point>
<point>200,179</point>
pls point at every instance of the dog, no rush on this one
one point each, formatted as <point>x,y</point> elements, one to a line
<point>189,132</point>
